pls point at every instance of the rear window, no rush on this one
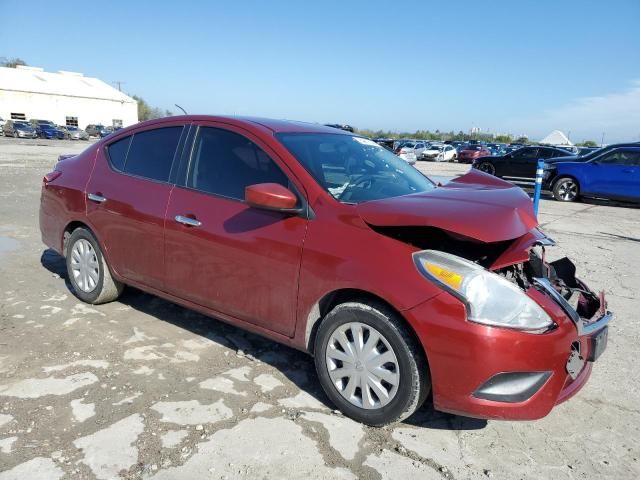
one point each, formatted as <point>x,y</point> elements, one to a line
<point>118,153</point>
<point>147,154</point>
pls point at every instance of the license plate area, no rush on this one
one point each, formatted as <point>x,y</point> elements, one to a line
<point>598,344</point>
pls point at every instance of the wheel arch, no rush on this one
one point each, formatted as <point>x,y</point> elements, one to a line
<point>323,306</point>
<point>561,176</point>
<point>75,224</point>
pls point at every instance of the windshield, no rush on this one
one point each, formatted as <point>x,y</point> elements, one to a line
<point>22,125</point>
<point>473,147</point>
<point>354,169</point>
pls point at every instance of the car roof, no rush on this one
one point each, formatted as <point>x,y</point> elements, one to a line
<point>275,126</point>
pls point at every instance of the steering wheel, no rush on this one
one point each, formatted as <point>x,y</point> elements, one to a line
<point>359,181</point>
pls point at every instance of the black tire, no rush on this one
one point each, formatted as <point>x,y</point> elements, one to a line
<point>566,189</point>
<point>414,379</point>
<point>487,167</point>
<point>106,288</point>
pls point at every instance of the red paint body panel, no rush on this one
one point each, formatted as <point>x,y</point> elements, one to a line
<point>63,199</point>
<point>241,261</point>
<point>463,355</point>
<point>132,217</point>
<point>486,213</point>
<point>267,271</point>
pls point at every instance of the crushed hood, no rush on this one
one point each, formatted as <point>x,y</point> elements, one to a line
<point>475,205</point>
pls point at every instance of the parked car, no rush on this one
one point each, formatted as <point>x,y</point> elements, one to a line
<point>45,130</point>
<point>75,133</point>
<point>2,122</point>
<point>19,129</point>
<point>472,152</point>
<point>327,242</point>
<point>614,174</point>
<point>36,122</point>
<point>520,165</point>
<point>411,151</point>
<point>94,130</point>
<point>440,153</point>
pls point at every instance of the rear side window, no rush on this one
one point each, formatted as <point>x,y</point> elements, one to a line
<point>151,153</point>
<point>118,152</point>
<point>224,163</point>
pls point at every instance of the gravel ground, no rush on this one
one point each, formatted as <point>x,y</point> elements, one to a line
<point>142,388</point>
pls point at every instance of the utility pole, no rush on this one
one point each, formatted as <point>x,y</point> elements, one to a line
<point>118,83</point>
<point>602,142</point>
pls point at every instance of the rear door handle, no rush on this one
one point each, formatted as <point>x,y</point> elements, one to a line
<point>191,222</point>
<point>96,198</point>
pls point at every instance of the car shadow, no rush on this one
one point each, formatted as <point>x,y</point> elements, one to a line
<point>297,366</point>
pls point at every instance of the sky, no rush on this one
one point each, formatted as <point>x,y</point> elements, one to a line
<point>501,66</point>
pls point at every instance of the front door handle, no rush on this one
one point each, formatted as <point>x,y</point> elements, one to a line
<point>190,222</point>
<point>94,197</point>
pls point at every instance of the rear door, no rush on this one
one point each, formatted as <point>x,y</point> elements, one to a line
<point>236,260</point>
<point>127,198</point>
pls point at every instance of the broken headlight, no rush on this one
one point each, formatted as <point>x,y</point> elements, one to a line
<point>490,299</point>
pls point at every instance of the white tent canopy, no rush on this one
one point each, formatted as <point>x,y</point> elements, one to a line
<point>556,138</point>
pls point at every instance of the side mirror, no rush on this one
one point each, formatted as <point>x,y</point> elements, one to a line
<point>271,196</point>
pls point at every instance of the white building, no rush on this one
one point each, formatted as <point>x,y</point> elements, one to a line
<point>557,138</point>
<point>65,98</point>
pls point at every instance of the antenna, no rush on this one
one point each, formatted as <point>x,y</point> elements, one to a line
<point>183,110</point>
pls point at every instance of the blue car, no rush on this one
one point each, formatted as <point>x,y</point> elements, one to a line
<point>614,174</point>
<point>49,131</point>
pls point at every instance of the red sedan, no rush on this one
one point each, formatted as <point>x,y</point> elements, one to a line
<point>471,152</point>
<point>327,242</point>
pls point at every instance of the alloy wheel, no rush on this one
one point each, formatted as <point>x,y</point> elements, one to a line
<point>362,365</point>
<point>487,168</point>
<point>84,266</point>
<point>568,190</point>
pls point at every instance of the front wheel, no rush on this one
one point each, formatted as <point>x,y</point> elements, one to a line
<point>369,364</point>
<point>88,271</point>
<point>566,190</point>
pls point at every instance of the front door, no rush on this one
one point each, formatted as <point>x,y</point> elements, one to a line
<point>616,174</point>
<point>229,257</point>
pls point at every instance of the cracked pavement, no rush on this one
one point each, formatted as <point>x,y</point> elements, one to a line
<point>142,388</point>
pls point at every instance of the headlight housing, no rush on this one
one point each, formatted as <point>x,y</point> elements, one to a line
<point>490,299</point>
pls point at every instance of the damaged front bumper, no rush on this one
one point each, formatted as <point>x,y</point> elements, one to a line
<point>490,372</point>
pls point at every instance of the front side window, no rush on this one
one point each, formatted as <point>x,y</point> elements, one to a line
<point>621,157</point>
<point>354,169</point>
<point>151,153</point>
<point>224,163</point>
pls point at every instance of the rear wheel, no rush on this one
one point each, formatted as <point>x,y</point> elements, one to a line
<point>566,190</point>
<point>369,364</point>
<point>88,271</point>
<point>487,167</point>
